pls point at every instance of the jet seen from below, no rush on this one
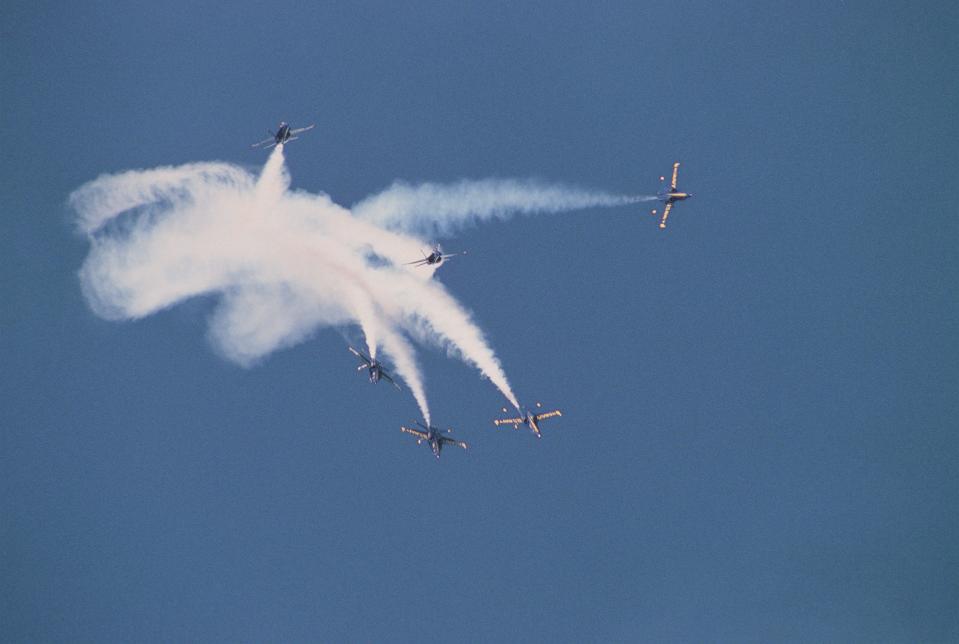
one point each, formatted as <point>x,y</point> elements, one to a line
<point>282,135</point>
<point>434,258</point>
<point>374,367</point>
<point>529,419</point>
<point>434,436</point>
<point>670,195</point>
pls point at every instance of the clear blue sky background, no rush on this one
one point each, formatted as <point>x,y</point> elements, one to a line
<point>760,403</point>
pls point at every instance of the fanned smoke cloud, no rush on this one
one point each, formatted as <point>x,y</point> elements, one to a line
<point>285,263</point>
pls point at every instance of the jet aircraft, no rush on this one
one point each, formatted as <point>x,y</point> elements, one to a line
<point>670,195</point>
<point>436,257</point>
<point>376,370</point>
<point>434,436</point>
<point>529,419</point>
<point>282,135</point>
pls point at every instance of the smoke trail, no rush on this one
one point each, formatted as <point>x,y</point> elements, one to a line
<point>274,179</point>
<point>282,264</point>
<point>433,314</point>
<point>439,209</point>
<point>406,368</point>
<point>101,200</point>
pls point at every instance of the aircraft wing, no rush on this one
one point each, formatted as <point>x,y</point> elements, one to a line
<point>271,141</point>
<point>549,414</point>
<point>303,129</point>
<point>421,435</point>
<point>362,356</point>
<point>508,421</point>
<point>672,186</point>
<point>383,374</point>
<point>662,223</point>
<point>453,441</point>
<point>419,262</point>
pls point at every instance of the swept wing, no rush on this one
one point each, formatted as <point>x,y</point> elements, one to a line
<point>549,414</point>
<point>662,223</point>
<point>383,374</point>
<point>452,441</point>
<point>415,432</point>
<point>362,356</point>
<point>271,141</point>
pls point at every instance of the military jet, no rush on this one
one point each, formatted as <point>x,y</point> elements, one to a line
<point>670,195</point>
<point>529,419</point>
<point>434,436</point>
<point>434,258</point>
<point>282,135</point>
<point>373,366</point>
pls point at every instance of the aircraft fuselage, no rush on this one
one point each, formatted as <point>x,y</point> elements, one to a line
<point>531,422</point>
<point>435,439</point>
<point>672,197</point>
<point>283,134</point>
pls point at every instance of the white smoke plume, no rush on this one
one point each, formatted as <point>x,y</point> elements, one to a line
<point>282,263</point>
<point>440,209</point>
<point>285,263</point>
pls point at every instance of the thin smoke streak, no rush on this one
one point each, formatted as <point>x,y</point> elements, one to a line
<point>440,209</point>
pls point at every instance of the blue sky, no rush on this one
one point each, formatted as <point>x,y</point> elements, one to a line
<point>758,440</point>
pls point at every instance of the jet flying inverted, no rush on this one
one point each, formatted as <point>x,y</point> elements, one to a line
<point>434,436</point>
<point>376,370</point>
<point>436,257</point>
<point>282,135</point>
<point>670,195</point>
<point>529,419</point>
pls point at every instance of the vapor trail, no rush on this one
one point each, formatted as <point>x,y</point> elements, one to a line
<point>439,209</point>
<point>406,368</point>
<point>281,264</point>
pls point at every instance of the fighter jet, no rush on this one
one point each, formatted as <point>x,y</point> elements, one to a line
<point>282,135</point>
<point>529,419</point>
<point>670,195</point>
<point>434,436</point>
<point>434,258</point>
<point>374,367</point>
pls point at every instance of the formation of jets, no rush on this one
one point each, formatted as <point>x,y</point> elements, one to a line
<point>436,438</point>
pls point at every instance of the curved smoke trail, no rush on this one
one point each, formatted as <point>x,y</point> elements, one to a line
<point>284,264</point>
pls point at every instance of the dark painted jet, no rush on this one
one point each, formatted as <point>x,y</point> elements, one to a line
<point>434,258</point>
<point>434,436</point>
<point>282,135</point>
<point>670,195</point>
<point>529,419</point>
<point>374,367</point>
